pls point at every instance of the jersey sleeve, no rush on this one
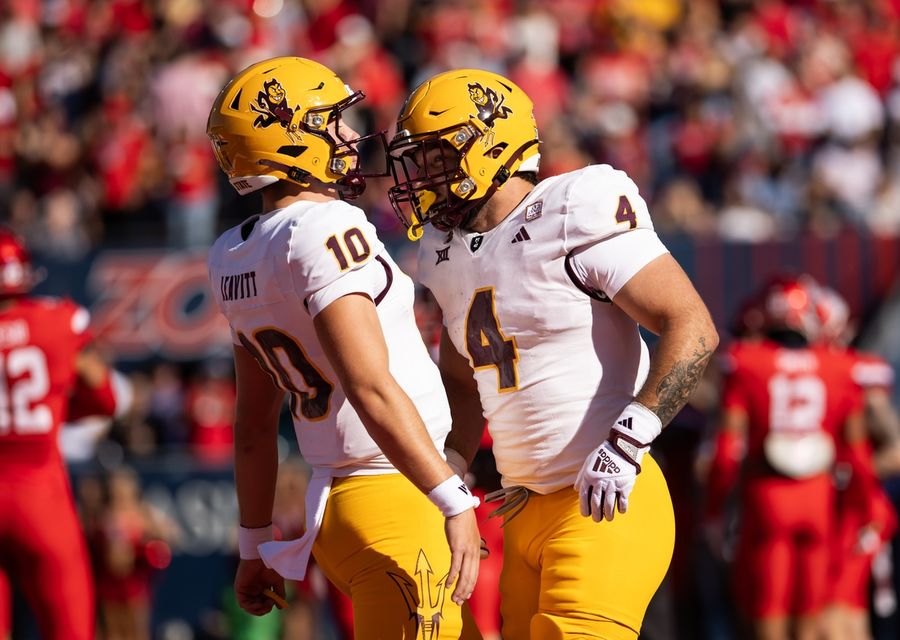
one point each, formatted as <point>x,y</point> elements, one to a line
<point>372,280</point>
<point>79,322</point>
<point>606,266</point>
<point>329,247</point>
<point>608,230</point>
<point>602,202</point>
<point>871,371</point>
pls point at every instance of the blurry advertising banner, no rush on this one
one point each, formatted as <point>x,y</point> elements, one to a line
<point>155,304</point>
<point>151,304</point>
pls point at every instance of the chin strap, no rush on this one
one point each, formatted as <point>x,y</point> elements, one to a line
<point>350,187</point>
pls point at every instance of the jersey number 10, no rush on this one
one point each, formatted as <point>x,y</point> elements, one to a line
<point>309,388</point>
<point>354,244</point>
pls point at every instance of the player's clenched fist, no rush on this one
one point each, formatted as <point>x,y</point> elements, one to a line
<point>251,582</point>
<point>609,472</point>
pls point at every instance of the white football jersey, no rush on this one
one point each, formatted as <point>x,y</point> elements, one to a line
<point>554,359</point>
<point>271,275</point>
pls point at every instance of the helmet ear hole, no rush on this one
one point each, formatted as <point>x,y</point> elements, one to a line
<point>496,151</point>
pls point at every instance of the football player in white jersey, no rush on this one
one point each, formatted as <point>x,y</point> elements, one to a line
<point>320,313</point>
<point>542,288</point>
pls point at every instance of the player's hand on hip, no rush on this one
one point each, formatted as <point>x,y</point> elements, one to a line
<point>609,472</point>
<point>465,554</point>
<point>251,579</point>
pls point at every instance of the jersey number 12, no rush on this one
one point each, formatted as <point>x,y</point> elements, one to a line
<point>24,381</point>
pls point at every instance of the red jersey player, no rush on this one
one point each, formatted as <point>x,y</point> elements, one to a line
<point>866,520</point>
<point>787,406</point>
<point>44,364</point>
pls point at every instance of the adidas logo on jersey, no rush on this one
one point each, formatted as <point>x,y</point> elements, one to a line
<point>521,236</point>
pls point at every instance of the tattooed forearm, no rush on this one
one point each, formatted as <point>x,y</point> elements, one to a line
<point>676,386</point>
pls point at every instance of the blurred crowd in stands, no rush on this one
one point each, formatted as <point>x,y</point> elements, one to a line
<point>748,120</point>
<point>741,120</point>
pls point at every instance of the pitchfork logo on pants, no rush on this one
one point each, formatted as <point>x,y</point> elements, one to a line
<point>427,608</point>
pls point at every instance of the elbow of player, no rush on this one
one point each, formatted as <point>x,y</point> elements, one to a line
<point>122,392</point>
<point>710,334</point>
<point>697,322</point>
<point>693,322</point>
<point>249,433</point>
<point>112,397</point>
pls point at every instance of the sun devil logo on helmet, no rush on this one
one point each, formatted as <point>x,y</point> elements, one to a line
<point>489,104</point>
<point>272,106</point>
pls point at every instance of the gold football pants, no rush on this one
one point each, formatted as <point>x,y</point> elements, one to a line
<point>566,576</point>
<point>383,544</point>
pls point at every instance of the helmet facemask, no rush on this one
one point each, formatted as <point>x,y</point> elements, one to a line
<point>430,185</point>
<point>479,130</point>
<point>344,158</point>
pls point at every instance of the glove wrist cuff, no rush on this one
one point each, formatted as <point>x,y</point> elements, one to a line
<point>634,431</point>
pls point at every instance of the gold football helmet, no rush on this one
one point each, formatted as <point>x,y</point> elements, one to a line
<point>481,128</point>
<point>280,120</point>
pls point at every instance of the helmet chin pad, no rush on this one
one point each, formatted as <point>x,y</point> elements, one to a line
<point>426,199</point>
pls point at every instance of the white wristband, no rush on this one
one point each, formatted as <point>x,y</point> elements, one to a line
<point>452,497</point>
<point>249,539</point>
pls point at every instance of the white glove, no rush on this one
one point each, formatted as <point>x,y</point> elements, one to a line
<point>609,472</point>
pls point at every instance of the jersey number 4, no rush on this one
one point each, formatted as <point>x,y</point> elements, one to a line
<point>18,411</point>
<point>486,343</point>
